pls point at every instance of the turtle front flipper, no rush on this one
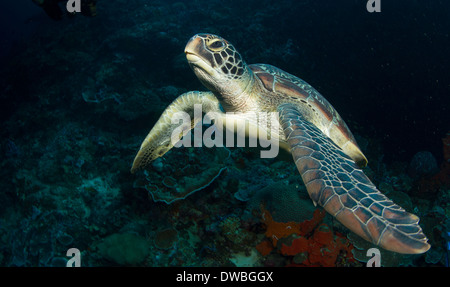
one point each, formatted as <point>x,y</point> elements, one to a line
<point>167,131</point>
<point>334,181</point>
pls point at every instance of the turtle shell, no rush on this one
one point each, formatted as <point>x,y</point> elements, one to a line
<point>319,110</point>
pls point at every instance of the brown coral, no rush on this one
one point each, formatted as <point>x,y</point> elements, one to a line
<point>308,243</point>
<point>277,230</point>
<point>166,238</point>
<point>265,247</point>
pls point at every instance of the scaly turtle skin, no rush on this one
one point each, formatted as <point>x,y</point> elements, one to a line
<point>324,150</point>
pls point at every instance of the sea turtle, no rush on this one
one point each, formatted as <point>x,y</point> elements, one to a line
<point>324,150</point>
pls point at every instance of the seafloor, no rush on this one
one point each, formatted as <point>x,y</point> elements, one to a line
<point>79,97</point>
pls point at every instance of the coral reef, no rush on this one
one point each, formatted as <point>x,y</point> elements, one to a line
<point>321,249</point>
<point>430,183</point>
<point>423,163</point>
<point>165,239</point>
<point>245,260</point>
<point>78,98</point>
<point>277,230</point>
<point>194,169</point>
<point>124,249</point>
<point>308,243</point>
<point>287,200</point>
<point>388,258</point>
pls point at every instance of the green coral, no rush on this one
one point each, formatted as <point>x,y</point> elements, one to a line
<point>124,249</point>
<point>231,230</point>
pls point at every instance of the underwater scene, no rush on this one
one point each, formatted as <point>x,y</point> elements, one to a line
<point>257,133</point>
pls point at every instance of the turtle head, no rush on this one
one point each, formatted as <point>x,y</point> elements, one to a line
<point>217,64</point>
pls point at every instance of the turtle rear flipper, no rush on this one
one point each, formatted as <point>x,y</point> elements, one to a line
<point>334,181</point>
<point>167,130</point>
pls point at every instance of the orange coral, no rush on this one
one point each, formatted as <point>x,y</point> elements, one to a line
<point>264,247</point>
<point>324,248</point>
<point>321,248</point>
<point>276,230</point>
<point>323,235</point>
<point>298,245</point>
<point>308,225</point>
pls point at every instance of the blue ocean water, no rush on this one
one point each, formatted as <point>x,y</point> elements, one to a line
<point>79,95</point>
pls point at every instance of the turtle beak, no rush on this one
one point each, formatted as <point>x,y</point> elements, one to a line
<point>198,56</point>
<point>192,46</point>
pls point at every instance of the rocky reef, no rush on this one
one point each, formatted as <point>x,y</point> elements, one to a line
<point>78,99</point>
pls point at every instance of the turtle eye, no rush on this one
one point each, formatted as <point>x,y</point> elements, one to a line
<point>217,45</point>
